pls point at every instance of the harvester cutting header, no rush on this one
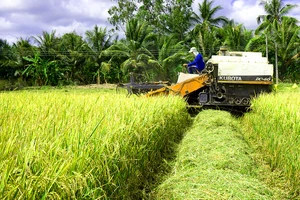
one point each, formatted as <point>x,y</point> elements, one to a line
<point>229,79</point>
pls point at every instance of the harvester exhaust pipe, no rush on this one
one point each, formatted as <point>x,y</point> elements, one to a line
<point>223,51</point>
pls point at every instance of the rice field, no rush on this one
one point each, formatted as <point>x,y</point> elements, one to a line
<point>95,144</point>
<point>273,128</point>
<point>65,144</point>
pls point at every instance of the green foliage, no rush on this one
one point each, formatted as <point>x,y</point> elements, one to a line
<point>207,14</point>
<point>287,36</point>
<point>282,32</point>
<point>42,72</point>
<point>134,50</point>
<point>275,10</point>
<point>176,18</point>
<point>236,36</point>
<point>47,45</point>
<point>171,54</point>
<point>147,49</point>
<point>6,60</point>
<point>71,56</point>
<point>98,41</point>
<point>204,34</point>
<point>166,17</point>
<point>257,44</point>
<point>121,14</point>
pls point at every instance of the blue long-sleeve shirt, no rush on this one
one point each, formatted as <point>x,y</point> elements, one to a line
<point>199,62</point>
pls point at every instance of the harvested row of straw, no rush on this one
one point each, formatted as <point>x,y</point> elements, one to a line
<point>214,162</point>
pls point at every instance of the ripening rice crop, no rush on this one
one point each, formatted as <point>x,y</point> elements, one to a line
<point>273,126</point>
<point>68,145</point>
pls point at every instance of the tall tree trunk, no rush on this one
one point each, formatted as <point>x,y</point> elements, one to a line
<point>98,77</point>
<point>276,63</point>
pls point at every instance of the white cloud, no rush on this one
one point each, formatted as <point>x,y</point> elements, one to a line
<point>5,24</point>
<point>241,11</point>
<point>79,27</point>
<point>25,18</point>
<point>9,38</point>
<point>12,4</point>
<point>91,8</point>
<point>238,5</point>
<point>295,12</point>
<point>246,13</point>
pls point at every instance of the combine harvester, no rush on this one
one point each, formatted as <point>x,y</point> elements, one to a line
<point>229,80</point>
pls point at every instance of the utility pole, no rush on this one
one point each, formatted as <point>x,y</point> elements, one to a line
<point>267,47</point>
<point>276,64</point>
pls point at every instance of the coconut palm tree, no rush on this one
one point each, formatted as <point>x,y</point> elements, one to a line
<point>275,10</point>
<point>98,40</point>
<point>6,59</point>
<point>171,53</point>
<point>205,39</point>
<point>287,37</point>
<point>43,67</point>
<point>133,50</point>
<point>207,14</point>
<point>22,48</point>
<point>205,30</point>
<point>72,56</point>
<point>236,36</point>
<point>47,45</point>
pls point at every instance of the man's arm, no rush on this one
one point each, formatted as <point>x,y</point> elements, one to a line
<point>192,63</point>
<point>196,60</point>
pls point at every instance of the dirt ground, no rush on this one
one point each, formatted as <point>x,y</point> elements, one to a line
<point>104,86</point>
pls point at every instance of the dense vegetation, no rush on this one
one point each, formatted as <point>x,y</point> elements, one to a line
<point>157,38</point>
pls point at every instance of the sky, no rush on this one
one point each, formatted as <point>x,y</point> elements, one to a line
<point>26,18</point>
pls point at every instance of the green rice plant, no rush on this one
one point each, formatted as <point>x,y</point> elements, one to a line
<point>214,162</point>
<point>65,144</point>
<point>273,128</point>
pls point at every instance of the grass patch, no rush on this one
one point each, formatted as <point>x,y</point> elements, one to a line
<point>214,162</point>
<point>286,87</point>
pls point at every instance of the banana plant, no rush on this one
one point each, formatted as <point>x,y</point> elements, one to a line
<point>42,72</point>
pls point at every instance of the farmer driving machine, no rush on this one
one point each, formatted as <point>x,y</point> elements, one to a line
<point>230,79</point>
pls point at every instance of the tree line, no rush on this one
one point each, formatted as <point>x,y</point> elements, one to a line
<point>157,37</point>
